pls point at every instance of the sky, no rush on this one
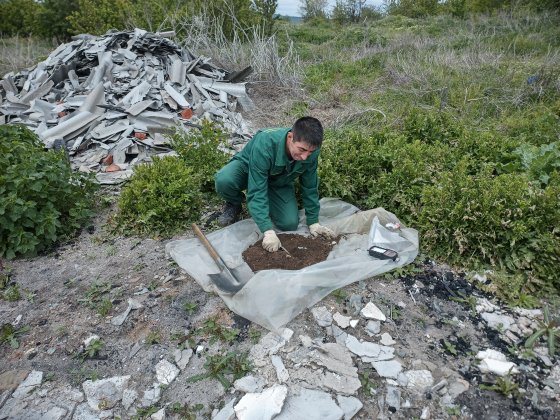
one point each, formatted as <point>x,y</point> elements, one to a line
<point>291,7</point>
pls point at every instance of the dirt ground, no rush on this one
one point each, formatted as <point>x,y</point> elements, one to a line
<point>297,252</point>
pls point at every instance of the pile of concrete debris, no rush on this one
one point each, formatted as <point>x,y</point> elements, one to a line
<point>109,100</point>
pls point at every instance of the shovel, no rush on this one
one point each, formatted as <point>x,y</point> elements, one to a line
<point>227,280</point>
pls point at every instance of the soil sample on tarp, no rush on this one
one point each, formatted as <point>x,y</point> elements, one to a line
<point>304,251</point>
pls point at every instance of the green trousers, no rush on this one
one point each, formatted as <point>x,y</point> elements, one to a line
<point>232,180</point>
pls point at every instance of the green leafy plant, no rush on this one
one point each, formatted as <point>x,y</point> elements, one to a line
<point>450,348</point>
<point>94,294</point>
<point>43,200</point>
<point>504,385</point>
<point>160,198</point>
<point>254,335</point>
<point>12,293</point>
<point>216,331</point>
<point>549,328</point>
<point>145,412</point>
<point>185,411</point>
<point>91,350</point>
<point>339,295</point>
<point>367,385</point>
<point>469,301</point>
<point>9,334</point>
<point>104,307</point>
<point>190,307</point>
<point>84,373</point>
<point>204,149</point>
<point>225,367</point>
<point>152,338</point>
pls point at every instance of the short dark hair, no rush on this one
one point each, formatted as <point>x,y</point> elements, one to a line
<point>308,130</point>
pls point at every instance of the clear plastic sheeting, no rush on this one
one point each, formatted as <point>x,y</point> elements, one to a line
<point>272,298</point>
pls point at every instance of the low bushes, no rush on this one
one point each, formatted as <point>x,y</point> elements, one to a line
<point>164,197</point>
<point>477,198</point>
<point>41,199</point>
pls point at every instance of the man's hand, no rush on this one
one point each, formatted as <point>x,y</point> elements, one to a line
<point>317,229</point>
<point>270,241</point>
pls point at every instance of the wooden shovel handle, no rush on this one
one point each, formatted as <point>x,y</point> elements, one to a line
<point>207,244</point>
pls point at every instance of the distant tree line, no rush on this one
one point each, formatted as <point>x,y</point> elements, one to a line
<point>63,18</point>
<point>345,11</point>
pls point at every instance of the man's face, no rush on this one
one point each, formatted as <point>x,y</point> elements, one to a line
<point>298,150</point>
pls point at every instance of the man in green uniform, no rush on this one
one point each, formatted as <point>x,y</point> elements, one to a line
<point>267,168</point>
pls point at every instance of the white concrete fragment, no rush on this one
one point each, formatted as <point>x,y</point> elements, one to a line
<point>495,320</point>
<point>457,387</point>
<point>281,371</point>
<point>370,311</point>
<point>151,396</point>
<point>55,413</point>
<point>182,357</point>
<point>354,322</point>
<point>388,368</point>
<point>85,412</point>
<point>387,340</point>
<point>322,316</point>
<point>369,352</point>
<point>32,381</point>
<point>249,384</point>
<point>419,379</point>
<point>159,415</point>
<point>339,335</point>
<point>484,305</point>
<point>166,372</point>
<point>393,397</point>
<point>226,413</point>
<point>105,393</point>
<point>119,319</point>
<point>263,406</point>
<point>425,413</point>
<point>128,398</point>
<point>495,362</point>
<point>349,405</point>
<point>309,404</point>
<point>373,328</point>
<point>341,320</point>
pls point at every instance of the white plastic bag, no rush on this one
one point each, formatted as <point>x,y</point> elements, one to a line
<point>272,298</point>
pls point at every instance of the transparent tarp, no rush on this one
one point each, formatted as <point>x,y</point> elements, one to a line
<point>272,298</point>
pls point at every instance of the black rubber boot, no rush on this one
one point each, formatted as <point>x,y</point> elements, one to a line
<point>230,214</point>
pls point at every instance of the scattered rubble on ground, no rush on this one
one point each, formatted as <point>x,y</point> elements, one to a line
<point>109,100</point>
<point>320,366</point>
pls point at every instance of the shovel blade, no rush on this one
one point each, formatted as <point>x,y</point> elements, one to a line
<point>227,282</point>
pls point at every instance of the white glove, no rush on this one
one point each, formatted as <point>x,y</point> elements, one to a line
<point>270,241</point>
<point>317,229</point>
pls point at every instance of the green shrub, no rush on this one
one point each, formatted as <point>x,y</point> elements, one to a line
<point>204,150</point>
<point>41,199</point>
<point>160,198</point>
<point>505,221</point>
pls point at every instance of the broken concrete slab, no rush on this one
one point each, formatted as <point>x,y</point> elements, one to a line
<point>370,311</point>
<point>105,393</point>
<point>281,371</point>
<point>119,319</point>
<point>341,320</point>
<point>262,406</point>
<point>495,362</point>
<point>322,316</point>
<point>417,380</point>
<point>166,372</point>
<point>369,352</point>
<point>310,404</point>
<point>182,357</point>
<point>387,340</point>
<point>32,381</point>
<point>249,383</point>
<point>349,405</point>
<point>227,412</point>
<point>373,328</point>
<point>388,368</point>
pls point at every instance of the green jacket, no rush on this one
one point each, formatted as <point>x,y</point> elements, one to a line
<point>268,166</point>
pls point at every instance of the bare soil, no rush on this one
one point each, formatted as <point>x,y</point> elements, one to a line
<point>302,251</point>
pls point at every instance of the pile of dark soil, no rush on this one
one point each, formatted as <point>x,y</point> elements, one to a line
<point>303,252</point>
